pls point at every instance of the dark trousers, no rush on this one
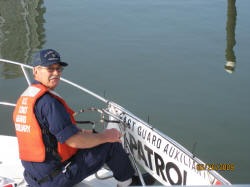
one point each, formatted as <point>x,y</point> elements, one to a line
<point>88,161</point>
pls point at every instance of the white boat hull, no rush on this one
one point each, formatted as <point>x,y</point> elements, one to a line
<point>11,169</point>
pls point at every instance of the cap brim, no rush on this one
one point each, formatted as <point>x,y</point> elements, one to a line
<point>51,63</point>
<point>63,63</point>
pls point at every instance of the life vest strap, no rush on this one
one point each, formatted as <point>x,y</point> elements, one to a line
<point>53,152</point>
<point>45,131</point>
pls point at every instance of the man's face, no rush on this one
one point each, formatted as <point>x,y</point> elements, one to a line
<point>48,76</point>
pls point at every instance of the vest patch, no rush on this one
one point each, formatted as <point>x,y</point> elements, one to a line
<point>21,119</point>
<point>22,128</point>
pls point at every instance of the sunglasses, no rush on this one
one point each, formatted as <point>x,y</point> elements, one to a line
<point>51,69</point>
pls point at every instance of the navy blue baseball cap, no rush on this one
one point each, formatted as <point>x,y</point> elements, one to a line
<point>47,57</point>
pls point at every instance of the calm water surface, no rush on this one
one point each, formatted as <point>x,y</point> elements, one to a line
<point>169,60</point>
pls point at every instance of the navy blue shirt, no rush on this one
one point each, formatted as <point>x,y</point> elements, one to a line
<point>53,116</point>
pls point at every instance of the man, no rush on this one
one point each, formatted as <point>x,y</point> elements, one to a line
<point>53,151</point>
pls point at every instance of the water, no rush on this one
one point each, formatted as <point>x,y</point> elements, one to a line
<point>162,59</point>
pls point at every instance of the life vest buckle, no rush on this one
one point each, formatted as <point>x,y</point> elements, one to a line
<point>65,167</point>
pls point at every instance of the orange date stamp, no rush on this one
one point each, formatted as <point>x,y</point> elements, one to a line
<point>216,167</point>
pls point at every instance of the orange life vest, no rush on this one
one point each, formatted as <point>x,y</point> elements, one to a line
<point>28,130</point>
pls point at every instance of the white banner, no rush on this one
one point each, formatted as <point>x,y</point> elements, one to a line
<point>164,159</point>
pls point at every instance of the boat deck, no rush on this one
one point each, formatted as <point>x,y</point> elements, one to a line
<point>11,167</point>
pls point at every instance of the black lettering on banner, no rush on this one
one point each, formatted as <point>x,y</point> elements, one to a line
<point>129,123</point>
<point>159,166</point>
<point>166,149</point>
<point>150,153</point>
<point>141,153</point>
<point>149,137</point>
<point>176,154</point>
<point>171,152</point>
<point>121,115</point>
<point>139,130</point>
<point>144,132</point>
<point>153,140</point>
<point>171,165</point>
<point>132,143</point>
<point>146,135</point>
<point>184,177</point>
<point>125,119</point>
<point>158,144</point>
<point>181,157</point>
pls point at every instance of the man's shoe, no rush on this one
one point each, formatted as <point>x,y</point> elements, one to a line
<point>148,179</point>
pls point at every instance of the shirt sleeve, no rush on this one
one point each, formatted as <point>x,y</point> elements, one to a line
<point>55,117</point>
